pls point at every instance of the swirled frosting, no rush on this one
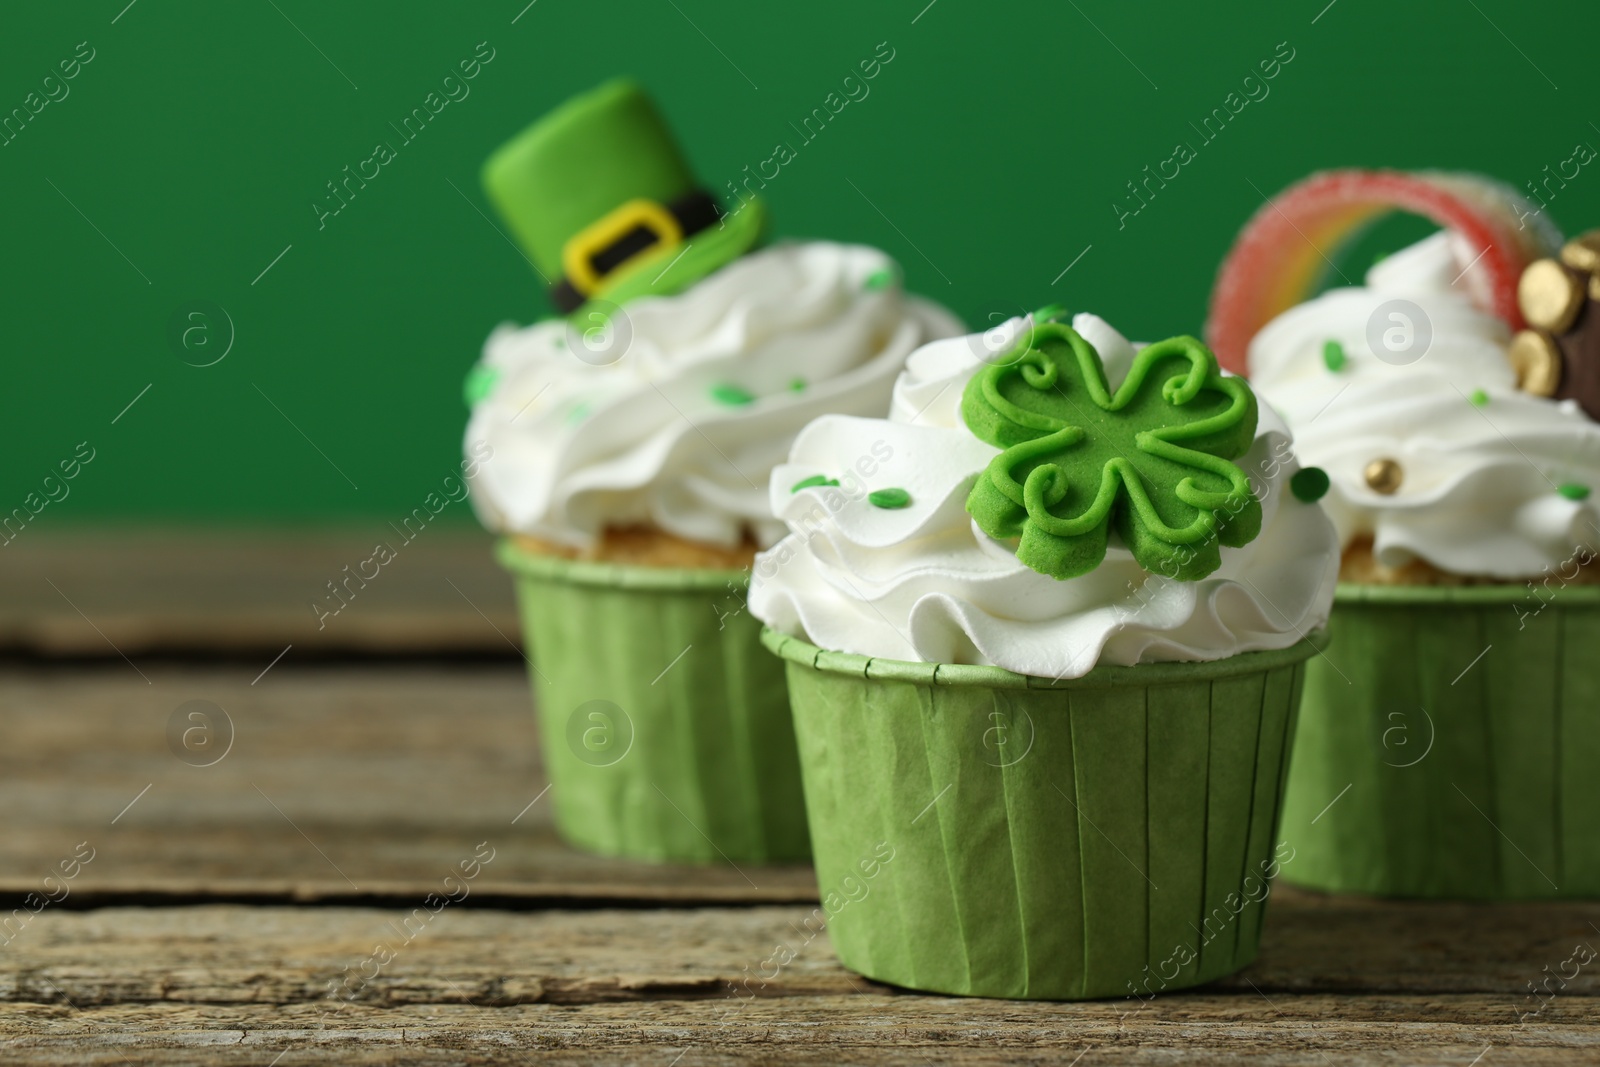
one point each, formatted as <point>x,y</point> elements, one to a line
<point>674,411</point>
<point>921,582</point>
<point>1493,482</point>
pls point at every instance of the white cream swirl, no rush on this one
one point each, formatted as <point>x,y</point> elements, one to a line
<point>676,412</point>
<point>1487,471</point>
<point>922,583</point>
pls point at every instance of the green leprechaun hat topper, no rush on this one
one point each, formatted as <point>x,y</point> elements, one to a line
<point>602,201</point>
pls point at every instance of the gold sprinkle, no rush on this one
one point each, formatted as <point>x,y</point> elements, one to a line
<point>1384,476</point>
<point>1549,296</point>
<point>1537,361</point>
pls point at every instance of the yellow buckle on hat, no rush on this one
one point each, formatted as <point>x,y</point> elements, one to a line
<point>577,255</point>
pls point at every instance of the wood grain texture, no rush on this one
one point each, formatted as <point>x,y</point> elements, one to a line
<point>106,593</point>
<point>1194,1029</point>
<point>229,984</point>
<point>1197,1030</point>
<point>364,784</point>
<point>465,953</point>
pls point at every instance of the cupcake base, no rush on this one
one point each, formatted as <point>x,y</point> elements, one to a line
<point>984,833</point>
<point>645,546</point>
<point>1449,745</point>
<point>665,726</point>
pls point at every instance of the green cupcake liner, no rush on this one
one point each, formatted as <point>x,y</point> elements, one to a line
<point>984,833</point>
<point>665,726</point>
<point>1449,745</point>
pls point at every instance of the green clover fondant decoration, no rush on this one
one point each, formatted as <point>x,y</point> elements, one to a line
<point>1151,459</point>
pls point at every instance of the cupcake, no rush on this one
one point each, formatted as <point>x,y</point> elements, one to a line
<point>623,449</point>
<point>1045,627</point>
<point>1447,737</point>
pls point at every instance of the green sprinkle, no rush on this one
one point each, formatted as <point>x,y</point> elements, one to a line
<point>1309,484</point>
<point>1333,355</point>
<point>879,279</point>
<point>579,412</point>
<point>479,384</point>
<point>813,482</point>
<point>731,395</point>
<point>889,498</point>
<point>797,385</point>
<point>1050,313</point>
<point>558,341</point>
<point>1573,491</point>
<point>1479,398</point>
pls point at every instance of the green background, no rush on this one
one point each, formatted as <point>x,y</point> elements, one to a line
<point>986,158</point>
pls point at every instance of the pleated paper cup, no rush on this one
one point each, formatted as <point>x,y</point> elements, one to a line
<point>985,833</point>
<point>665,725</point>
<point>1450,745</point>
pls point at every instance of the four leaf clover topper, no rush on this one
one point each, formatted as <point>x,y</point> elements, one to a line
<point>1151,458</point>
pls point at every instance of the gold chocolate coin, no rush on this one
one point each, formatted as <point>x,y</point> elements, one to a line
<point>1384,476</point>
<point>1583,252</point>
<point>1550,298</point>
<point>1537,361</point>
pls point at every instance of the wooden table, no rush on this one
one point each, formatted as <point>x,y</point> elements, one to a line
<point>230,913</point>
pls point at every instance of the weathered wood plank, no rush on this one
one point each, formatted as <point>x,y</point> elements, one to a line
<point>341,782</point>
<point>454,953</point>
<point>1192,1029</point>
<point>463,952</point>
<point>240,985</point>
<point>108,592</point>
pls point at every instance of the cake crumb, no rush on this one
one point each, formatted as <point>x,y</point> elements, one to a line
<point>646,546</point>
<point>1361,567</point>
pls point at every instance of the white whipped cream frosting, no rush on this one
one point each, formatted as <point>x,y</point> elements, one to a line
<point>1479,490</point>
<point>923,583</point>
<point>675,414</point>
